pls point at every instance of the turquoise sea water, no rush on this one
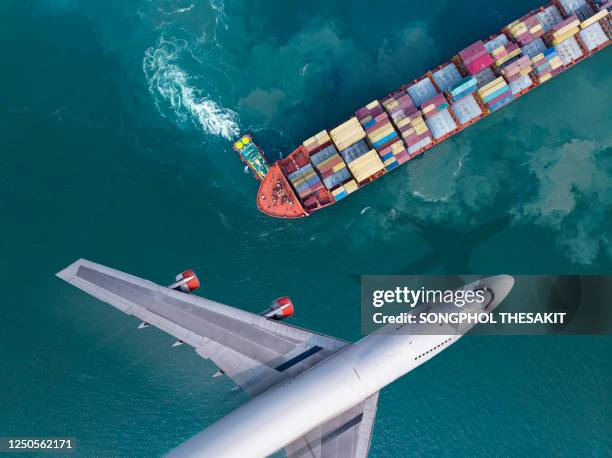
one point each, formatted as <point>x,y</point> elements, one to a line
<point>114,124</point>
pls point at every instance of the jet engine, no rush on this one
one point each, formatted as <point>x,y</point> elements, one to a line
<point>280,309</point>
<point>186,282</point>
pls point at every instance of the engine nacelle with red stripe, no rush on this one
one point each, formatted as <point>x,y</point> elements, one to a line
<point>186,282</point>
<point>280,309</point>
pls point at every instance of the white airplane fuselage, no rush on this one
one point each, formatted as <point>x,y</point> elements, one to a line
<point>290,410</point>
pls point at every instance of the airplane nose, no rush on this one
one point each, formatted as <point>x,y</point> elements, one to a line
<point>499,286</point>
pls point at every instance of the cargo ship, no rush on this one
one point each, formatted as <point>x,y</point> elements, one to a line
<point>479,80</point>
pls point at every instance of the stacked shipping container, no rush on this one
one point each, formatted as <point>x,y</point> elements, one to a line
<point>547,64</point>
<point>499,69</point>
<point>305,181</point>
<point>495,94</point>
<point>475,58</point>
<point>331,167</point>
<point>579,8</point>
<point>591,32</point>
<point>408,121</point>
<point>526,29</point>
<point>446,76</point>
<point>347,134</point>
<point>394,155</point>
<point>502,50</point>
<point>366,166</point>
<point>378,127</point>
<point>517,74</point>
<point>549,17</point>
<point>533,48</point>
<point>462,88</point>
<point>561,36</point>
<point>345,189</point>
<point>434,107</point>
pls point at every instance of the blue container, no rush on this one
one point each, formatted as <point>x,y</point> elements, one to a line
<point>463,85</point>
<point>354,151</point>
<point>501,103</point>
<point>369,124</point>
<point>313,181</point>
<point>550,53</point>
<point>461,94</point>
<point>392,165</point>
<point>495,94</point>
<point>342,195</point>
<point>325,153</point>
<point>385,139</point>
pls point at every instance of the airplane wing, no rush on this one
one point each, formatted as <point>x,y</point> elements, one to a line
<point>346,436</point>
<point>255,352</point>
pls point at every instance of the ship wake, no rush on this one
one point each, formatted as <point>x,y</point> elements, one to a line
<point>173,88</point>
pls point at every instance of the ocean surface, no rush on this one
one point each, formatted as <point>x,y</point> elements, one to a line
<point>115,126</point>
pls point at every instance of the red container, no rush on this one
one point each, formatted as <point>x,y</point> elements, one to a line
<point>479,64</point>
<point>499,97</point>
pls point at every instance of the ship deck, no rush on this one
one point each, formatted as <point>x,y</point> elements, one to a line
<point>276,197</point>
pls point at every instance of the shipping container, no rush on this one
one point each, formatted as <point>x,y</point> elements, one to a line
<point>354,151</point>
<point>347,134</point>
<point>384,134</point>
<point>502,50</point>
<point>441,124</point>
<point>366,166</point>
<point>467,109</point>
<point>526,29</point>
<point>593,36</point>
<point>485,76</point>
<point>422,91</point>
<point>446,76</point>
<point>375,120</point>
<point>549,17</point>
<point>569,50</point>
<point>534,48</point>
<point>580,8</point>
<point>475,58</point>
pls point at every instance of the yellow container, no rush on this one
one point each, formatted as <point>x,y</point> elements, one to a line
<point>491,84</point>
<point>398,147</point>
<point>421,129</point>
<point>338,190</point>
<point>390,161</point>
<point>593,19</point>
<point>566,28</point>
<point>391,103</point>
<point>545,78</point>
<point>556,63</point>
<point>347,133</point>
<point>485,92</point>
<point>309,142</point>
<point>536,28</point>
<point>402,122</point>
<point>350,186</point>
<point>381,132</point>
<point>428,108</point>
<point>322,137</point>
<point>561,38</point>
<point>338,167</point>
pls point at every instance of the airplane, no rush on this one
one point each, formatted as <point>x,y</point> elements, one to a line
<point>312,395</point>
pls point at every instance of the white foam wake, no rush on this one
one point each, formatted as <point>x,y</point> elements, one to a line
<point>170,84</point>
